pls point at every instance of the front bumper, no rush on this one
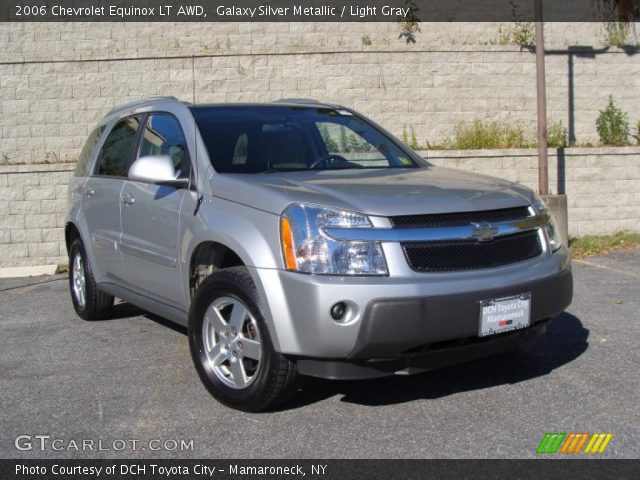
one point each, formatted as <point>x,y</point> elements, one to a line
<point>399,316</point>
<point>429,357</point>
<point>397,325</point>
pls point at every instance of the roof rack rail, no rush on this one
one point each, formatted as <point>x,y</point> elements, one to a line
<point>140,102</point>
<point>297,100</point>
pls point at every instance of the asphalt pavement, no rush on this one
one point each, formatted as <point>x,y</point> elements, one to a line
<point>130,380</point>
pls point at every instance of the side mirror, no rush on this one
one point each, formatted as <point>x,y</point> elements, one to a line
<point>156,169</point>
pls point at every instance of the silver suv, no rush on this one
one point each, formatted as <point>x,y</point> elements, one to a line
<point>300,238</point>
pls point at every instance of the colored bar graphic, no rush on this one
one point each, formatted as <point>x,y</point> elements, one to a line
<point>557,443</point>
<point>598,443</point>
<point>572,443</point>
<point>550,442</point>
<point>606,442</point>
<point>578,447</point>
<point>543,443</point>
<point>594,437</point>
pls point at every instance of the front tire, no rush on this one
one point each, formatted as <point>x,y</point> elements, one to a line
<point>89,302</point>
<point>231,346</point>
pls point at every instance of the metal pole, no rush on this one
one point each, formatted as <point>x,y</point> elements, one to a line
<point>543,164</point>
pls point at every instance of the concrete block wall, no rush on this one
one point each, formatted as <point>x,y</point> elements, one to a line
<point>602,184</point>
<point>26,42</point>
<point>58,79</point>
<point>48,108</point>
<point>33,201</point>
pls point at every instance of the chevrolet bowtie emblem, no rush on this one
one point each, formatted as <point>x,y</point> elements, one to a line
<point>483,231</point>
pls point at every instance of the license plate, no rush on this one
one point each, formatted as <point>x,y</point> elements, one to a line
<point>505,314</point>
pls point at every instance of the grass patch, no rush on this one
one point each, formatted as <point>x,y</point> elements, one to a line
<point>409,138</point>
<point>480,135</point>
<point>593,245</point>
<point>557,135</point>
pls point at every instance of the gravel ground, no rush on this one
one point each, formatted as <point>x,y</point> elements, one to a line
<point>131,378</point>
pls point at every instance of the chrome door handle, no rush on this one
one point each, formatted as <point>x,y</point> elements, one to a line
<point>128,199</point>
<point>89,192</point>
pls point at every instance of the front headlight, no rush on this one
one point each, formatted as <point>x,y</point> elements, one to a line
<point>307,248</point>
<point>555,242</point>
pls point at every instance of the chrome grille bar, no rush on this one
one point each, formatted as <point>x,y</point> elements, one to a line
<point>461,232</point>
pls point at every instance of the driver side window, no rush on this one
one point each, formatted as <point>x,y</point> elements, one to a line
<point>163,136</point>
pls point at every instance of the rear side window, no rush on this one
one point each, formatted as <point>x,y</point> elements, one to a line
<point>87,151</point>
<point>116,154</point>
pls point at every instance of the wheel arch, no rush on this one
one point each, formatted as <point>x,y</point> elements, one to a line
<point>210,256</point>
<point>71,232</point>
<point>207,257</point>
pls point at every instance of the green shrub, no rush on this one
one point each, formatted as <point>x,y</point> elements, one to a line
<point>638,132</point>
<point>520,33</point>
<point>479,135</point>
<point>612,125</point>
<point>557,136</point>
<point>366,40</point>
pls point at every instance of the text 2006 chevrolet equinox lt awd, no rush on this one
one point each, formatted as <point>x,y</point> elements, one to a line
<point>300,238</point>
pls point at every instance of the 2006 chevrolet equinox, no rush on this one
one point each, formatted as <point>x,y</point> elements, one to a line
<point>300,238</point>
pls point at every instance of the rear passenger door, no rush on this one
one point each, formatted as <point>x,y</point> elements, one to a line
<point>151,217</point>
<point>101,202</point>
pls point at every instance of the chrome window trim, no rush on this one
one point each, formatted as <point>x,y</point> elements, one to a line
<point>462,232</point>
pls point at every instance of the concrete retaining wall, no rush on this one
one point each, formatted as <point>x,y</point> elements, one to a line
<point>602,184</point>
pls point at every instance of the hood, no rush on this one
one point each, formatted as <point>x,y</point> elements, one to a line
<point>382,192</point>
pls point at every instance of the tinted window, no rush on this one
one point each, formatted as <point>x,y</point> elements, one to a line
<point>249,139</point>
<point>342,140</point>
<point>116,153</point>
<point>87,151</point>
<point>162,135</point>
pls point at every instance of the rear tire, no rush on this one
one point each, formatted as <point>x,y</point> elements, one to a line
<point>231,346</point>
<point>89,302</point>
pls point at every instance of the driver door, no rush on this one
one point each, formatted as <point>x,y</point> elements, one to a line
<point>151,217</point>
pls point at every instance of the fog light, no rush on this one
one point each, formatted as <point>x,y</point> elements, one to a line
<point>338,311</point>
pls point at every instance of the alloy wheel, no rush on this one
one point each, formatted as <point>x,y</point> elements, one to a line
<point>78,280</point>
<point>231,342</point>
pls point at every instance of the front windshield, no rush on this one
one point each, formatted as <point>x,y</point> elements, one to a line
<point>253,139</point>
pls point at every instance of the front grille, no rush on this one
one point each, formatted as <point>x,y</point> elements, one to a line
<point>459,218</point>
<point>455,255</point>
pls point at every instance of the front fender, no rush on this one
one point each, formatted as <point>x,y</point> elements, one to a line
<point>251,233</point>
